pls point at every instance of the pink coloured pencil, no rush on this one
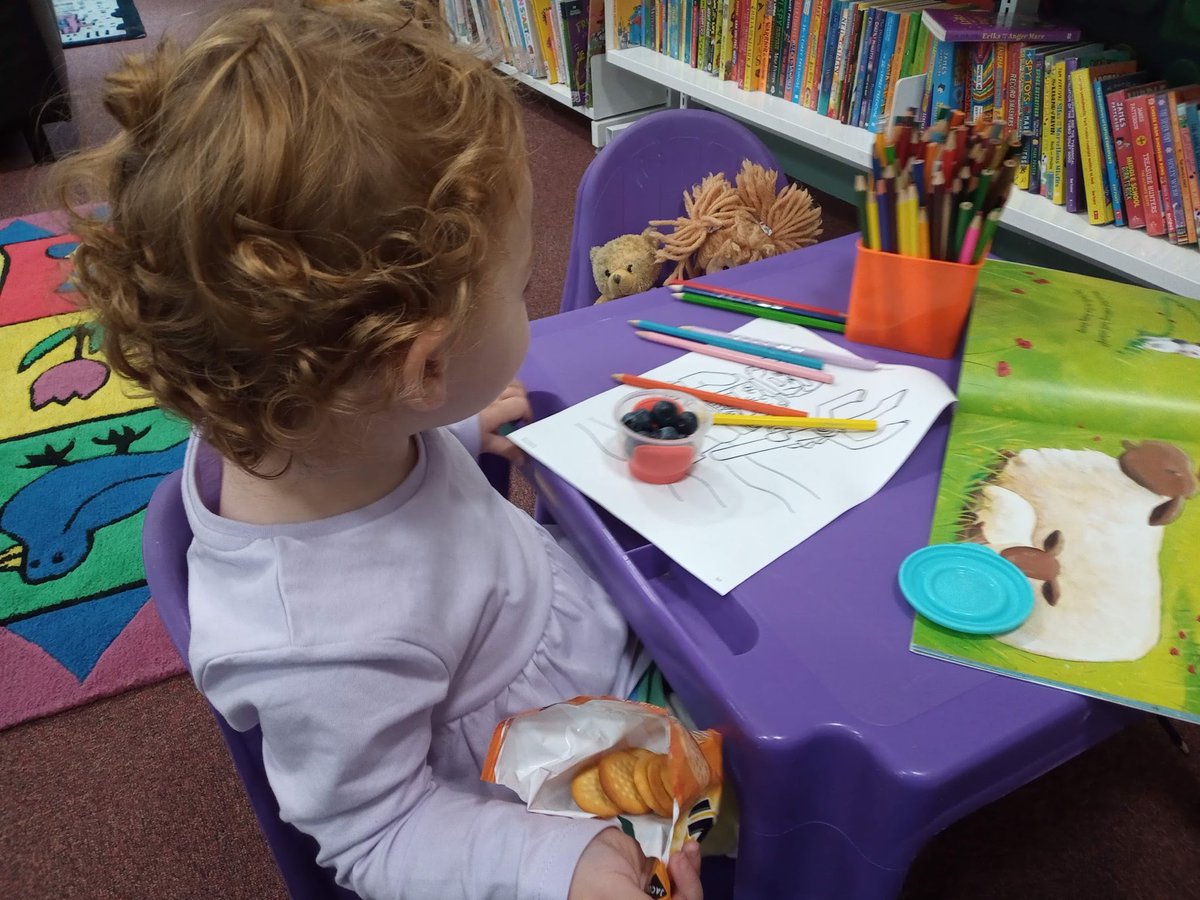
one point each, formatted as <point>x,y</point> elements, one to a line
<point>734,356</point>
<point>971,239</point>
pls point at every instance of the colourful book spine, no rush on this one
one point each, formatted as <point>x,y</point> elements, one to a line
<point>1184,162</point>
<point>845,17</point>
<point>1118,119</point>
<point>753,26</point>
<point>887,47</point>
<point>849,53</point>
<point>1046,129</point>
<point>712,63</point>
<point>742,43</point>
<point>801,49</point>
<point>700,29</point>
<point>1000,86</point>
<point>723,56</point>
<point>875,20</point>
<point>896,64</point>
<point>1072,183</point>
<point>1012,91</point>
<point>1058,147</point>
<point>764,47</point>
<point>828,61</point>
<point>1173,197</point>
<point>1099,210</point>
<point>1188,171</point>
<point>1131,197</point>
<point>1039,106</point>
<point>779,47</point>
<point>1112,183</point>
<point>1028,63</point>
<point>962,24</point>
<point>860,66</point>
<point>812,62</point>
<point>795,17</point>
<point>1193,127</point>
<point>1137,110</point>
<point>983,81</point>
<point>777,10</point>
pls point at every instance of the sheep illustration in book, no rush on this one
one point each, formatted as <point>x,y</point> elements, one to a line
<point>1086,528</point>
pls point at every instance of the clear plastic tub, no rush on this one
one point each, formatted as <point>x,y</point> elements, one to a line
<point>662,460</point>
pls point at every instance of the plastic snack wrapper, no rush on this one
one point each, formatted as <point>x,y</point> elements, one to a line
<point>607,758</point>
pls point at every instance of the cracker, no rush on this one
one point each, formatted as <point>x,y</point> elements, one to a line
<point>647,775</point>
<point>616,778</point>
<point>589,796</point>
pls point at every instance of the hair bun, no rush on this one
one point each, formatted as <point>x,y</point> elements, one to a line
<point>134,95</point>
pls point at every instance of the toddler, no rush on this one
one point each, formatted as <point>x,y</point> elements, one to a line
<point>318,241</point>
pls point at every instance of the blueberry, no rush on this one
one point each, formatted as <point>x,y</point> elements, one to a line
<point>664,413</point>
<point>639,420</point>
<point>687,423</point>
<point>667,433</point>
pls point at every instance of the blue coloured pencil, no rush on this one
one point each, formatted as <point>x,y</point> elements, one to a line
<point>795,359</point>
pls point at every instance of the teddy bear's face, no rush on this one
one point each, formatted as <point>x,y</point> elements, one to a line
<point>624,266</point>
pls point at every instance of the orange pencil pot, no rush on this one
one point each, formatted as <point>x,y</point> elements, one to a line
<point>909,303</point>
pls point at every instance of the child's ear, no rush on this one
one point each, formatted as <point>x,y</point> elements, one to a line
<point>424,369</point>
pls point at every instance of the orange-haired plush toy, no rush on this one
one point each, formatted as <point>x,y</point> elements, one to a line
<point>727,225</point>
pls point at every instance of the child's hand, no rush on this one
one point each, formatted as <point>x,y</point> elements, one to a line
<point>685,873</point>
<point>613,867</point>
<point>510,406</point>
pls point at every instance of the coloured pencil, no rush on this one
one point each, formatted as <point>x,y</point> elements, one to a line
<point>724,292</point>
<point>750,309</point>
<point>767,409</point>
<point>795,422</point>
<point>750,306</point>
<point>961,222</point>
<point>871,235</point>
<point>987,235</point>
<point>733,356</point>
<point>887,219</point>
<point>860,202</point>
<point>831,357</point>
<point>923,234</point>
<point>730,343</point>
<point>971,239</point>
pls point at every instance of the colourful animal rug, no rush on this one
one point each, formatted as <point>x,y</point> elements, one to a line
<point>80,455</point>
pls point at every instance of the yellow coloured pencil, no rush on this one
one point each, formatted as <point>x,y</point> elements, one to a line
<point>794,422</point>
<point>872,235</point>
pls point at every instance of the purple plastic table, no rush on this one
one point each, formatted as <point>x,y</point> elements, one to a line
<point>848,751</point>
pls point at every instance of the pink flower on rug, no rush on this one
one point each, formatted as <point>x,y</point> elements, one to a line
<point>77,377</point>
<point>64,382</point>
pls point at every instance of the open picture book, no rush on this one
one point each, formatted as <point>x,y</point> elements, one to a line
<point>1073,453</point>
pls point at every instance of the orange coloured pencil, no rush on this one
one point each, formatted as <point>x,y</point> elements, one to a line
<point>768,409</point>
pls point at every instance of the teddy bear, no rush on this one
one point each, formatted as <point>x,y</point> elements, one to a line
<point>625,265</point>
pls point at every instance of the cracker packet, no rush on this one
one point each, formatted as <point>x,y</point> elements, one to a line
<point>665,780</point>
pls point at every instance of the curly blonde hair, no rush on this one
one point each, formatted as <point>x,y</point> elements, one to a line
<point>293,199</point>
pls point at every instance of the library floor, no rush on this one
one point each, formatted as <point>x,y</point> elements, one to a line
<point>134,797</point>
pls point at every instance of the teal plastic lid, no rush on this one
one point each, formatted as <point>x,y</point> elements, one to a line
<point>966,587</point>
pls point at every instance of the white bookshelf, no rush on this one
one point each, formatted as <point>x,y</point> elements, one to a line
<point>1133,254</point>
<point>617,96</point>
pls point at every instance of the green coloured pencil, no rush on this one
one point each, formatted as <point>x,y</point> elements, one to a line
<point>762,312</point>
<point>860,204</point>
<point>961,222</point>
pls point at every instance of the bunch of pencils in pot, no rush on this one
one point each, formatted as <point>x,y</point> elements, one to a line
<point>937,193</point>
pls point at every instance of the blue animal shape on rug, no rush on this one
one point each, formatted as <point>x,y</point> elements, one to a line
<point>55,537</point>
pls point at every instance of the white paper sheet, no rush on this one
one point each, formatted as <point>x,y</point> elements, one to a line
<point>755,493</point>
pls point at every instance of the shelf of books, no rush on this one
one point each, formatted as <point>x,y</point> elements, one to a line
<point>555,47</point>
<point>820,72</point>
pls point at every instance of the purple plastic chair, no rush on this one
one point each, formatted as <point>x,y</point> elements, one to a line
<point>642,174</point>
<point>166,536</point>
